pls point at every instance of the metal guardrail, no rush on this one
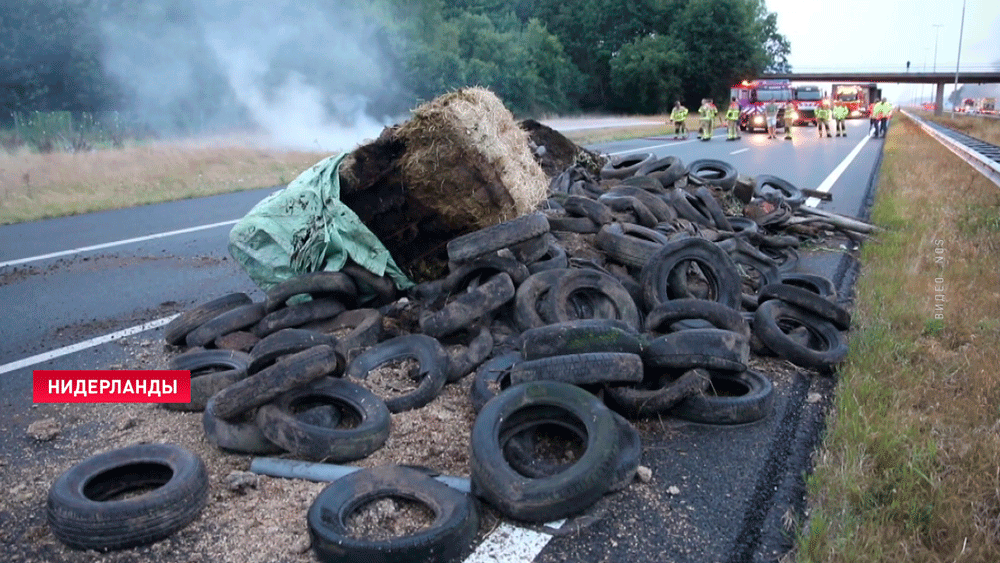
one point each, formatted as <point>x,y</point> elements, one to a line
<point>982,156</point>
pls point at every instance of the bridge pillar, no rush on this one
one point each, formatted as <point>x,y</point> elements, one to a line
<point>939,99</point>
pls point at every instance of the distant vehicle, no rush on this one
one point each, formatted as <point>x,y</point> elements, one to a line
<point>806,99</point>
<point>988,106</point>
<point>968,105</point>
<point>857,97</point>
<point>753,95</point>
<point>929,106</point>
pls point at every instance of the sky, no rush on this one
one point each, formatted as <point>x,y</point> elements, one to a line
<point>884,35</point>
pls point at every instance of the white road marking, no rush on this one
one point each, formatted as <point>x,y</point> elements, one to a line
<point>739,151</point>
<point>66,350</point>
<point>658,146</point>
<point>511,544</point>
<point>832,178</point>
<point>115,243</point>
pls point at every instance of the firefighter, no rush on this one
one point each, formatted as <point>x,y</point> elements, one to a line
<point>839,116</point>
<point>707,113</point>
<point>823,119</point>
<point>733,118</point>
<point>789,119</point>
<point>884,115</point>
<point>679,117</point>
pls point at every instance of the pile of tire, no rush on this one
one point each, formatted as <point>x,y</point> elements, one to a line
<point>630,296</point>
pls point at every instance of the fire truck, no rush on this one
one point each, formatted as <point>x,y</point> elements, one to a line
<point>753,95</point>
<point>988,106</point>
<point>806,100</point>
<point>857,97</point>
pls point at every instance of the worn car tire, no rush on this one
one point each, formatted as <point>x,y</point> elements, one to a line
<point>363,330</point>
<point>495,237</point>
<point>826,347</point>
<point>730,398</point>
<point>83,513</point>
<point>319,285</point>
<point>548,498</point>
<point>298,315</point>
<point>428,353</point>
<point>211,372</point>
<point>469,307</point>
<point>820,285</point>
<point>177,329</point>
<point>493,372</point>
<point>231,321</point>
<point>666,170</point>
<point>619,167</point>
<point>792,195</point>
<point>718,315</point>
<point>589,368</point>
<point>531,294</point>
<point>579,337</point>
<point>631,245</point>
<point>598,288</point>
<point>628,204</point>
<point>719,269</point>
<point>709,348</point>
<point>645,401</point>
<point>809,301</point>
<point>463,359</point>
<point>447,539</point>
<point>285,342</point>
<point>369,416</point>
<point>240,435</point>
<point>714,172</point>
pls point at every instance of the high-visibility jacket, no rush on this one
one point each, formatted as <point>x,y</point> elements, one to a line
<point>733,113</point>
<point>823,113</point>
<point>840,112</point>
<point>708,111</point>
<point>679,114</point>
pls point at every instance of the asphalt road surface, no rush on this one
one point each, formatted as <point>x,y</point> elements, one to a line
<point>70,286</point>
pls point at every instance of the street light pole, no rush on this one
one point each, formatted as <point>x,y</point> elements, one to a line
<point>937,31</point>
<point>961,31</point>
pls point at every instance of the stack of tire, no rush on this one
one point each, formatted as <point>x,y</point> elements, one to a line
<point>627,297</point>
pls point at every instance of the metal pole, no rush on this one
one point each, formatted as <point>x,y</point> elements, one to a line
<point>961,30</point>
<point>937,32</point>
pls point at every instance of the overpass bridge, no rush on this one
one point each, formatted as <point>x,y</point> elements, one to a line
<point>939,79</point>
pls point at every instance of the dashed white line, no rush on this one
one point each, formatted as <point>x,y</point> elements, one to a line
<point>115,243</point>
<point>511,544</point>
<point>739,151</point>
<point>832,178</point>
<point>66,350</point>
<point>644,149</point>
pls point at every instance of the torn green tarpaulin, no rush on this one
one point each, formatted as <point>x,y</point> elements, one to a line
<point>306,228</point>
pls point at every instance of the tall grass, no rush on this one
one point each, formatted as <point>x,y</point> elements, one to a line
<point>910,467</point>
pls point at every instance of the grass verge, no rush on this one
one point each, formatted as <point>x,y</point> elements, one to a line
<point>978,126</point>
<point>910,467</point>
<point>36,186</point>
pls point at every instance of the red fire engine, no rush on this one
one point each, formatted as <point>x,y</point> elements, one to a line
<point>857,97</point>
<point>807,100</point>
<point>753,95</point>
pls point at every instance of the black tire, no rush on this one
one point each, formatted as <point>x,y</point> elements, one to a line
<point>666,170</point>
<point>604,294</point>
<point>336,285</point>
<point>553,259</point>
<point>628,204</point>
<point>826,346</point>
<point>83,513</point>
<point>475,272</point>
<point>820,285</point>
<point>720,272</point>
<point>719,220</point>
<point>647,183</point>
<point>531,294</point>
<point>731,398</point>
<point>519,451</point>
<point>363,326</point>
<point>493,238</point>
<point>281,423</point>
<point>630,245</point>
<point>717,314</point>
<point>463,359</point>
<point>428,353</point>
<point>589,368</point>
<point>177,329</point>
<point>529,251</point>
<point>579,337</point>
<point>447,539</point>
<point>211,372</point>
<point>590,208</point>
<point>792,195</point>
<point>708,348</point>
<point>639,401</point>
<point>684,203</point>
<point>714,172</point>
<point>290,372</point>
<point>373,290</point>
<point>240,436</point>
<point>468,307</point>
<point>495,371</point>
<point>745,256</point>
<point>284,343</point>
<point>580,225</point>
<point>657,206</point>
<point>809,301</point>
<point>742,225</point>
<point>232,320</point>
<point>549,498</point>
<point>619,167</point>
<point>298,315</point>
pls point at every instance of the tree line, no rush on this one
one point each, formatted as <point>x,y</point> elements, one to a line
<point>540,56</point>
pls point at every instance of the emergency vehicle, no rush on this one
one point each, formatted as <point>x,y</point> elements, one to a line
<point>753,95</point>
<point>857,97</point>
<point>806,100</point>
<point>988,106</point>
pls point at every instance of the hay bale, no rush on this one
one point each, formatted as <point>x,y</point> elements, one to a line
<point>467,158</point>
<point>555,153</point>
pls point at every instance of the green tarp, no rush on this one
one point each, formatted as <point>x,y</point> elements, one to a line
<point>306,228</point>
